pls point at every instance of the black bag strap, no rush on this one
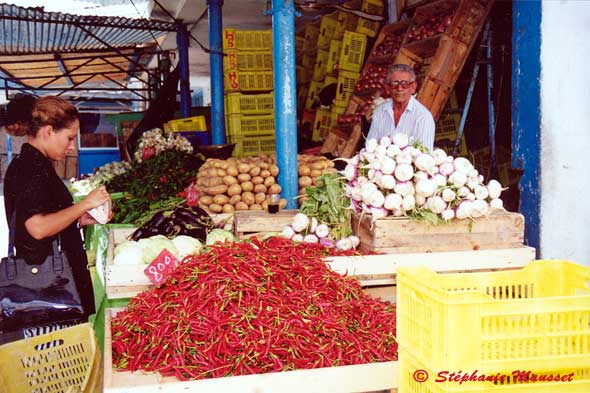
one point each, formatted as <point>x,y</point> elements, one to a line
<point>55,244</point>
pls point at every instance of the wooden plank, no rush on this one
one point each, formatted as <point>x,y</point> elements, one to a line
<point>392,235</point>
<point>261,221</point>
<point>375,270</point>
<point>357,378</point>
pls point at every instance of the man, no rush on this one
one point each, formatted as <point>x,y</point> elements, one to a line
<point>402,112</point>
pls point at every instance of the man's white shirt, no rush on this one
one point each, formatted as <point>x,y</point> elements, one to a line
<point>416,122</point>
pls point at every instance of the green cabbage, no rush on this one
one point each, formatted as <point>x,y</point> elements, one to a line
<point>219,235</point>
<point>153,246</point>
<point>186,245</point>
<point>128,253</point>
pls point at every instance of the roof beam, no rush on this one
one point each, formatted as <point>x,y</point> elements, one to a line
<point>72,51</point>
<point>130,71</point>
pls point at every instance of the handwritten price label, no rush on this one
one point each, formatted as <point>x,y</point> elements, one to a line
<point>230,39</point>
<point>233,60</point>
<point>161,267</point>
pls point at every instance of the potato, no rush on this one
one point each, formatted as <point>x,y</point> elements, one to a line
<point>304,181</point>
<point>201,181</point>
<point>282,203</point>
<point>259,188</point>
<point>257,180</point>
<point>221,172</point>
<point>242,177</point>
<point>241,206</point>
<point>256,206</point>
<point>220,199</point>
<point>211,172</point>
<point>216,190</point>
<point>213,181</point>
<point>229,180</point>
<point>227,208</point>
<point>244,168</point>
<point>260,197</point>
<point>248,198</point>
<point>232,171</point>
<point>274,170</point>
<point>269,181</point>
<point>254,171</point>
<point>206,200</point>
<point>247,186</point>
<point>264,205</point>
<point>264,165</point>
<point>319,165</point>
<point>316,172</point>
<point>265,173</point>
<point>314,181</point>
<point>303,170</point>
<point>215,208</point>
<point>331,164</point>
<point>302,191</point>
<point>274,189</point>
<point>234,189</point>
<point>235,199</point>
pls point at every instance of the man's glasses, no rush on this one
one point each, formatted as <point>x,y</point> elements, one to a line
<point>403,84</point>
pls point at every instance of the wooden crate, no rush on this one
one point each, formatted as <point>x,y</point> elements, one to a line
<point>255,223</point>
<point>403,235</point>
<point>377,273</point>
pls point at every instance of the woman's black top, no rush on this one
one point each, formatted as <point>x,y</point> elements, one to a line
<point>32,187</point>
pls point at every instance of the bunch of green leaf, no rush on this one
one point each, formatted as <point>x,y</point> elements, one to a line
<point>328,203</point>
<point>149,182</point>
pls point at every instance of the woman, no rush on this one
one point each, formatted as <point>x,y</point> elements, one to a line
<point>44,206</point>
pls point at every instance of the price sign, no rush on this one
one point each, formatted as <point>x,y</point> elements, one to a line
<point>230,38</point>
<point>161,267</point>
<point>192,195</point>
<point>232,58</point>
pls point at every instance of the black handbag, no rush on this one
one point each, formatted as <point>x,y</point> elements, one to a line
<point>36,294</point>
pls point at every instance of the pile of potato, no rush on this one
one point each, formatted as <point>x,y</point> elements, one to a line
<point>244,183</point>
<point>237,184</point>
<point>309,169</point>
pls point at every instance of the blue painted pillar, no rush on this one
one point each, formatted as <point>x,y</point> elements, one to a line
<point>185,88</point>
<point>283,41</point>
<point>526,112</point>
<point>216,67</point>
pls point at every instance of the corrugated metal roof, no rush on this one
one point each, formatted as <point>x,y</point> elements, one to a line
<point>34,31</point>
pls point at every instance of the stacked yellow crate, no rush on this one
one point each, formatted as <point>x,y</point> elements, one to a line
<point>366,26</point>
<point>249,100</point>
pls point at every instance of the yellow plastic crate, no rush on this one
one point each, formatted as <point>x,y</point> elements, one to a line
<point>333,55</point>
<point>374,7</point>
<point>247,39</point>
<point>67,360</point>
<point>536,318</point>
<point>249,104</point>
<point>321,125</point>
<point>312,94</point>
<point>329,79</point>
<point>346,82</point>
<point>328,26</point>
<point>249,81</point>
<point>240,125</point>
<point>346,22</point>
<point>352,52</point>
<point>253,146</point>
<point>195,123</point>
<point>319,72</point>
<point>312,31</point>
<point>368,27</point>
<point>247,61</point>
<point>308,60</point>
<point>411,371</point>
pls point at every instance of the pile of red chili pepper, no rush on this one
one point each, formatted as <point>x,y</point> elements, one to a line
<point>253,307</point>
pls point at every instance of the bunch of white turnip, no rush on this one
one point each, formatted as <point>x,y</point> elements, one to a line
<point>391,177</point>
<point>309,230</point>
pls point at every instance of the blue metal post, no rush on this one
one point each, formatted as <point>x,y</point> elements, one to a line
<point>216,66</point>
<point>185,89</point>
<point>283,41</point>
<point>526,112</point>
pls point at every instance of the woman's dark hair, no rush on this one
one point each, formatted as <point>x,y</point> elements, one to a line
<point>25,115</point>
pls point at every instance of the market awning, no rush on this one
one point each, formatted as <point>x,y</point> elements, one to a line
<point>53,53</point>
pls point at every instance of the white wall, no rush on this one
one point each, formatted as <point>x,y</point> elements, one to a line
<point>565,130</point>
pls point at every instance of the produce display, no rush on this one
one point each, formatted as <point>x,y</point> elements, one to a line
<point>310,168</point>
<point>101,176</point>
<point>324,216</point>
<point>391,177</point>
<point>431,26</point>
<point>253,307</point>
<point>374,78</point>
<point>182,220</point>
<point>154,142</point>
<point>389,46</point>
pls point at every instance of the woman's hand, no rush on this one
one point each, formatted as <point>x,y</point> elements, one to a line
<point>87,219</point>
<point>96,198</point>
